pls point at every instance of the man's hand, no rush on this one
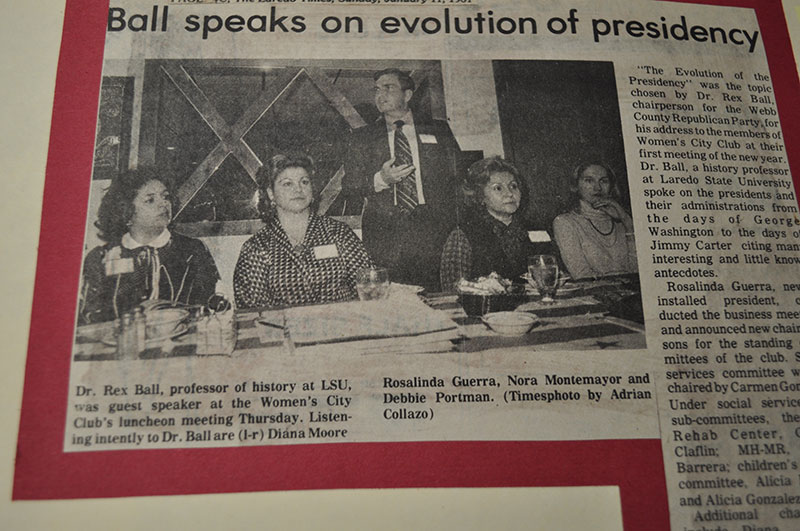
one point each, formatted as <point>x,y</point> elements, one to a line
<point>394,174</point>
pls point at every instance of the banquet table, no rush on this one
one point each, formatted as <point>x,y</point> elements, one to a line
<point>581,320</point>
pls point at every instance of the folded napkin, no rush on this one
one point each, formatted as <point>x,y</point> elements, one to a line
<point>356,320</point>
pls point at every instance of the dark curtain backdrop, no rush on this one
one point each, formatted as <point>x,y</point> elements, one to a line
<point>554,114</point>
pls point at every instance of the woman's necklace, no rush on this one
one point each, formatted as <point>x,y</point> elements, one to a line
<point>589,212</point>
<point>597,229</point>
<point>604,241</point>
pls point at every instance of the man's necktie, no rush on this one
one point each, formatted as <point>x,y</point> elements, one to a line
<point>406,189</point>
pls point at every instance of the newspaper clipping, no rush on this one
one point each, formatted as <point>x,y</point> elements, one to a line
<point>432,220</point>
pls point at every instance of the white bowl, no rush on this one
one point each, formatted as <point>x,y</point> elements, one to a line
<point>510,323</point>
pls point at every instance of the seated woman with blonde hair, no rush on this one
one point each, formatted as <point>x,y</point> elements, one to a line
<point>595,238</point>
<point>298,257</point>
<point>490,236</point>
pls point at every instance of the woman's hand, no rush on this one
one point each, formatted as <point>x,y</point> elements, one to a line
<point>609,207</point>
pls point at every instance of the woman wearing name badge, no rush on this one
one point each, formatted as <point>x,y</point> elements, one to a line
<point>595,238</point>
<point>142,259</point>
<point>490,236</point>
<point>298,257</point>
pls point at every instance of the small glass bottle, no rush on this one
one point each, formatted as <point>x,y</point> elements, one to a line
<point>217,331</point>
<point>227,330</point>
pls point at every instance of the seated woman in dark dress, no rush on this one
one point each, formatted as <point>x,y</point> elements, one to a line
<point>298,257</point>
<point>595,238</point>
<point>142,259</point>
<point>490,236</point>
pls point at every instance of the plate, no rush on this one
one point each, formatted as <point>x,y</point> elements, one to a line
<point>416,290</point>
<point>565,285</point>
<point>110,340</point>
<point>563,278</point>
<point>563,290</point>
<point>95,332</point>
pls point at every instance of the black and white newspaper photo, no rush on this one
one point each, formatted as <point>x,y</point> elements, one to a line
<point>295,249</point>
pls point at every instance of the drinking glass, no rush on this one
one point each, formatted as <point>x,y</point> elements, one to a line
<point>372,283</point>
<point>543,269</point>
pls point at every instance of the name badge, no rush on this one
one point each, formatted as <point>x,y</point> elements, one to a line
<point>118,266</point>
<point>538,236</point>
<point>427,139</point>
<point>325,251</point>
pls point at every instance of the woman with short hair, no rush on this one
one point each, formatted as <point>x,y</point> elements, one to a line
<point>298,257</point>
<point>490,236</point>
<point>142,258</point>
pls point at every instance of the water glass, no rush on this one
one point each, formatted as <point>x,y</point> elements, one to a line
<point>372,283</point>
<point>543,269</point>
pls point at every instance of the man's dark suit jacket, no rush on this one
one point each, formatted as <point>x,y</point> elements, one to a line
<point>408,243</point>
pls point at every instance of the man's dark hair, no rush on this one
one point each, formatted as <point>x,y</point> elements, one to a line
<point>406,83</point>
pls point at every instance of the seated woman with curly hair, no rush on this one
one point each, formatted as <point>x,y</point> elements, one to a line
<point>595,237</point>
<point>142,259</point>
<point>490,236</point>
<point>298,257</point>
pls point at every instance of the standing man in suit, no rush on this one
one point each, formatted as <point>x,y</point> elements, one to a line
<point>406,171</point>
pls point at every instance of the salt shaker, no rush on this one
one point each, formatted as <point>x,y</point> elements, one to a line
<point>126,339</point>
<point>140,328</point>
<point>227,330</point>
